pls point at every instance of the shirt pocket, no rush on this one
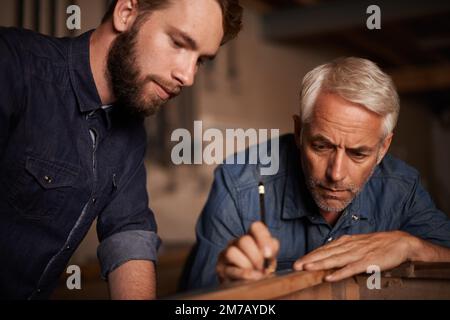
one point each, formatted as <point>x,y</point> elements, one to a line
<point>41,188</point>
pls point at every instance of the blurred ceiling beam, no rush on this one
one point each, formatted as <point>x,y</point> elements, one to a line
<point>422,79</point>
<point>306,2</point>
<point>361,41</point>
<point>258,5</point>
<point>328,17</point>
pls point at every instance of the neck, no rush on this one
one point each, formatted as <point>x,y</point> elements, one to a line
<point>331,217</point>
<point>101,40</point>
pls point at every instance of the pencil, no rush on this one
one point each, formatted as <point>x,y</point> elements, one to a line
<point>262,208</point>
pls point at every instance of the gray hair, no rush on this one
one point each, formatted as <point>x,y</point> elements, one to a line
<point>357,80</point>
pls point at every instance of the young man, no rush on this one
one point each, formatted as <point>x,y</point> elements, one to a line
<point>337,200</point>
<point>72,140</point>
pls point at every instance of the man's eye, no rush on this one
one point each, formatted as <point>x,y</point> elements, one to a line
<point>200,62</point>
<point>358,155</point>
<point>320,147</point>
<point>177,44</point>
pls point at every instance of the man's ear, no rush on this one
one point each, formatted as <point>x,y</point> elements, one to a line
<point>297,130</point>
<point>385,147</point>
<point>124,15</point>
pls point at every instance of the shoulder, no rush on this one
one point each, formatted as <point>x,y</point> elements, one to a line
<point>395,171</point>
<point>389,190</point>
<point>25,41</point>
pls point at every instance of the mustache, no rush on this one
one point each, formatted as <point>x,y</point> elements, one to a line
<point>333,187</point>
<point>173,90</point>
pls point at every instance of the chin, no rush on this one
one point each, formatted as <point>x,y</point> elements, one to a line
<point>332,205</point>
<point>149,106</point>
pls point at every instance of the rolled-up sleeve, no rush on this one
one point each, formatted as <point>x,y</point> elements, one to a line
<point>126,246</point>
<point>127,228</point>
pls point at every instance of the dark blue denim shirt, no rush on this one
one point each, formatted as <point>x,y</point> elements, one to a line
<point>65,160</point>
<point>393,199</point>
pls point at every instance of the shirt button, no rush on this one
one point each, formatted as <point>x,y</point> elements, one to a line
<point>90,115</point>
<point>48,179</point>
<point>330,239</point>
<point>94,200</point>
<point>355,218</point>
<point>68,248</point>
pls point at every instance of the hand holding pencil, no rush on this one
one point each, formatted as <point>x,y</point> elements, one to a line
<point>251,256</point>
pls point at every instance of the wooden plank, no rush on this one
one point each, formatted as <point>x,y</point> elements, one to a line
<point>406,289</point>
<point>322,291</point>
<point>269,288</point>
<point>422,270</point>
<point>347,289</point>
<point>408,281</point>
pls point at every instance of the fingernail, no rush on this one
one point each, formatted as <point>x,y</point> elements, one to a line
<point>298,266</point>
<point>269,270</point>
<point>267,252</point>
<point>329,277</point>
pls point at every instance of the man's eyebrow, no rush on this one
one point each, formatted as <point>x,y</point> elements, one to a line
<point>321,138</point>
<point>192,44</point>
<point>359,149</point>
<point>186,38</point>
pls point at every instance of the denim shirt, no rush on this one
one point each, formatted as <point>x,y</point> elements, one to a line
<point>392,199</point>
<point>65,160</point>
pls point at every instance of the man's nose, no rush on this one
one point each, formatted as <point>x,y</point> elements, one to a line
<point>336,170</point>
<point>185,72</point>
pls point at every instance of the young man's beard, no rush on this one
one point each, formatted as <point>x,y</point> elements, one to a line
<point>127,84</point>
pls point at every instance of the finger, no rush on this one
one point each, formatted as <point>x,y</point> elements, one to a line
<point>346,272</point>
<point>334,261</point>
<point>263,239</point>
<point>276,246</point>
<point>235,273</point>
<point>248,246</point>
<point>344,244</point>
<point>318,255</point>
<point>345,240</point>
<point>272,267</point>
<point>220,270</point>
<point>233,256</point>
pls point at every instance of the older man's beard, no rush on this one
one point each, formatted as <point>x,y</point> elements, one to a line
<point>124,75</point>
<point>354,190</point>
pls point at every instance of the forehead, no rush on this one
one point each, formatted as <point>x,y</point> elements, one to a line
<point>344,121</point>
<point>202,20</point>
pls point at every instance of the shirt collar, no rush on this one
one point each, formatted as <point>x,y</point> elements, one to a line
<point>298,201</point>
<point>81,74</point>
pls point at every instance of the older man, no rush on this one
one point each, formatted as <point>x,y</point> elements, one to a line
<point>72,140</point>
<point>338,200</point>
